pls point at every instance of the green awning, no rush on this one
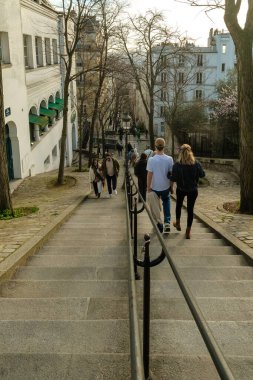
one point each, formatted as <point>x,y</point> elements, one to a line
<point>47,112</point>
<point>39,120</point>
<point>55,106</point>
<point>59,101</point>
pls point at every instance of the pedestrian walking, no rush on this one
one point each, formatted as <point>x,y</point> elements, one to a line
<point>119,148</point>
<point>110,169</point>
<point>159,169</point>
<point>96,177</point>
<point>186,173</point>
<point>140,170</point>
<point>148,151</point>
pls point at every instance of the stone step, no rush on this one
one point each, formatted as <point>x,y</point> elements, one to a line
<point>202,251</point>
<point>213,261</point>
<point>213,309</point>
<point>206,288</point>
<point>49,289</point>
<point>86,273</point>
<point>197,368</point>
<point>87,241</point>
<point>106,250</point>
<point>98,272</point>
<point>183,337</point>
<point>63,308</point>
<point>204,273</point>
<point>51,366</point>
<point>76,337</point>
<point>72,260</point>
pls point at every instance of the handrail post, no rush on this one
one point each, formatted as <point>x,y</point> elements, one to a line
<point>137,276</point>
<point>146,307</point>
<point>130,209</point>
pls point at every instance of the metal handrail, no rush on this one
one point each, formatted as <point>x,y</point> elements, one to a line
<point>137,370</point>
<point>211,344</point>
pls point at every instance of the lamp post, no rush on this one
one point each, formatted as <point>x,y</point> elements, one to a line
<point>126,118</point>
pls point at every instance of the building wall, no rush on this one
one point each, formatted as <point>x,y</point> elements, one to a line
<point>25,88</point>
<point>218,58</point>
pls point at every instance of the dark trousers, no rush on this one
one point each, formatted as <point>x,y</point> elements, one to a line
<point>111,183</point>
<point>95,187</point>
<point>142,184</point>
<point>191,198</point>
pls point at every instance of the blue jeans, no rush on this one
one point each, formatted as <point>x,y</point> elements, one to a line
<point>165,196</point>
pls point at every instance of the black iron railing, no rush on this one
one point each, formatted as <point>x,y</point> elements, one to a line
<point>211,344</point>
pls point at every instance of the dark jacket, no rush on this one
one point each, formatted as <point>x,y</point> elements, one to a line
<point>187,176</point>
<point>140,169</point>
<point>115,167</point>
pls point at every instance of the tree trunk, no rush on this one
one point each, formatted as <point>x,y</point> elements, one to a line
<point>93,121</point>
<point>150,124</point>
<point>245,91</point>
<point>5,197</point>
<point>60,180</point>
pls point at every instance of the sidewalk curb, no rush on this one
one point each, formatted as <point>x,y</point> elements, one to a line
<point>30,247</point>
<point>220,231</point>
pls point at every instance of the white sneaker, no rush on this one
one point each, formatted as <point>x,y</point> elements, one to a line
<point>110,195</point>
<point>115,192</point>
<point>166,228</point>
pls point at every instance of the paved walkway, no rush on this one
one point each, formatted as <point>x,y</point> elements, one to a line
<point>56,203</point>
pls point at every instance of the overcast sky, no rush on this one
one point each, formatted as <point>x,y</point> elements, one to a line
<point>191,21</point>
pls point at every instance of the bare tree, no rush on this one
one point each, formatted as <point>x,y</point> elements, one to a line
<point>145,46</point>
<point>242,37</point>
<point>5,198</point>
<point>108,12</point>
<point>74,16</point>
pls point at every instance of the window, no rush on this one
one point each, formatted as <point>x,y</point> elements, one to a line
<point>224,49</point>
<point>223,67</point>
<point>181,78</point>
<point>48,51</point>
<point>198,94</point>
<point>199,78</point>
<point>55,51</point>
<point>200,60</point>
<point>38,50</point>
<point>163,95</point>
<point>4,48</point>
<point>162,126</point>
<point>27,41</point>
<point>181,60</point>
<point>163,77</point>
<point>162,111</point>
<point>163,60</point>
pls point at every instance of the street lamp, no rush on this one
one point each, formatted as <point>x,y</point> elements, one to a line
<point>126,119</point>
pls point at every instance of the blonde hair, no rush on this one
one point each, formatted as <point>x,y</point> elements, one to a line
<point>186,155</point>
<point>159,143</point>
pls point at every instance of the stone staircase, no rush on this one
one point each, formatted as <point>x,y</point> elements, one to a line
<point>65,314</point>
<point>222,282</point>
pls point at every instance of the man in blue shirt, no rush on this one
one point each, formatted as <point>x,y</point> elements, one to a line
<point>159,168</point>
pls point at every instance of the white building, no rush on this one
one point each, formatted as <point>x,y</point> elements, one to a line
<point>190,74</point>
<point>32,87</point>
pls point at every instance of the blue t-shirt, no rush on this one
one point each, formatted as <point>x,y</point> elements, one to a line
<point>160,165</point>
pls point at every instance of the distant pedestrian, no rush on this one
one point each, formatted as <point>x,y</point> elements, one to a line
<point>146,133</point>
<point>96,177</point>
<point>119,148</point>
<point>186,173</point>
<point>129,147</point>
<point>159,170</point>
<point>148,151</point>
<point>140,170</point>
<point>110,169</point>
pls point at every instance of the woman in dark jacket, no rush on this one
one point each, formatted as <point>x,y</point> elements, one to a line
<point>141,173</point>
<point>186,173</point>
